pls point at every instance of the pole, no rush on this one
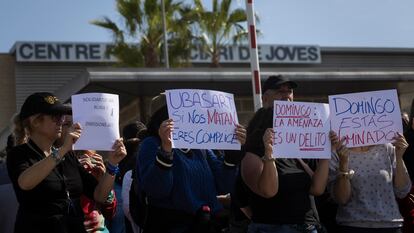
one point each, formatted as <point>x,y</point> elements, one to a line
<point>254,57</point>
<point>164,28</point>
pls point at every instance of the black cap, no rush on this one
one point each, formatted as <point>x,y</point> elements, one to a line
<point>275,81</point>
<point>43,102</point>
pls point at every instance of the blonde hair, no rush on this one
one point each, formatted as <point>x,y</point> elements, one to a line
<point>19,131</point>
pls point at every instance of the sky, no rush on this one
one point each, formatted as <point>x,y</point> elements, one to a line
<point>339,23</point>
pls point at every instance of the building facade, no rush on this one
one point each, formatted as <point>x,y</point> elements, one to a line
<point>69,68</point>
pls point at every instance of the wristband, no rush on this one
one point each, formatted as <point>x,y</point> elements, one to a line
<point>348,174</point>
<point>111,169</point>
<point>55,155</point>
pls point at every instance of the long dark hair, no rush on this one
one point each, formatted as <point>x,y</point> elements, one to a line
<point>261,120</point>
<point>155,121</point>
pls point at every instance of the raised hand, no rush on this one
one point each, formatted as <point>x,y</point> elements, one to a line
<point>73,135</point>
<point>164,132</point>
<point>268,140</point>
<point>99,166</point>
<point>400,144</point>
<point>114,157</point>
<point>241,134</point>
<point>339,146</point>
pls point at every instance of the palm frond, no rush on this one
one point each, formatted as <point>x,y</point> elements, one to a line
<point>108,24</point>
<point>131,13</point>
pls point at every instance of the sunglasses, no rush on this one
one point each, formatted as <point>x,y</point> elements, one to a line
<point>57,118</point>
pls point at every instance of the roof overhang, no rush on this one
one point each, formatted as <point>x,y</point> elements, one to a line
<point>130,83</point>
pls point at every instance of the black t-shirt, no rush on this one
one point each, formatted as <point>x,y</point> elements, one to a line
<point>291,205</point>
<point>46,207</point>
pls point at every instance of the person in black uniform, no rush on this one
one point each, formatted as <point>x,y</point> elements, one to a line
<point>49,181</point>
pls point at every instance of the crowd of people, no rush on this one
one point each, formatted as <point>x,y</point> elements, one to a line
<point>146,185</point>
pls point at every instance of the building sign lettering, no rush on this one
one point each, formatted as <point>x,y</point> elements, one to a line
<point>96,52</point>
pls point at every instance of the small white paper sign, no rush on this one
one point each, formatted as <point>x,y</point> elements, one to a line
<point>301,130</point>
<point>203,119</point>
<point>98,115</point>
<point>366,118</point>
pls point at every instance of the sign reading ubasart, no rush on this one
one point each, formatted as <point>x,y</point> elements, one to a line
<point>203,119</point>
<point>96,52</point>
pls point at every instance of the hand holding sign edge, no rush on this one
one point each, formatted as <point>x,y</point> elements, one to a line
<point>164,132</point>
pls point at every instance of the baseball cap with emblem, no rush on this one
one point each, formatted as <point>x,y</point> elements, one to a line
<point>274,82</point>
<point>43,102</point>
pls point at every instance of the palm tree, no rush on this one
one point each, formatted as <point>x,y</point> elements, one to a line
<point>219,27</point>
<point>140,41</point>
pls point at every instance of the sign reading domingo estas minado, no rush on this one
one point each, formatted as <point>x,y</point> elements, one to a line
<point>366,118</point>
<point>96,52</point>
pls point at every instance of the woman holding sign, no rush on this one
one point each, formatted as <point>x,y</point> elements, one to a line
<point>279,201</point>
<point>365,182</point>
<point>181,185</point>
<point>49,181</point>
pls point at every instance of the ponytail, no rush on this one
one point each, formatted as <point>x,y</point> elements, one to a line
<point>20,129</point>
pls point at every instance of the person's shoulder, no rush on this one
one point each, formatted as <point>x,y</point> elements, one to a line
<point>149,144</point>
<point>70,156</point>
<point>150,140</point>
<point>255,148</point>
<point>255,152</point>
<point>18,148</point>
<point>18,151</point>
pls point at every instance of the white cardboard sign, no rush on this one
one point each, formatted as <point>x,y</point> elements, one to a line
<point>203,119</point>
<point>301,130</point>
<point>98,115</point>
<point>366,118</point>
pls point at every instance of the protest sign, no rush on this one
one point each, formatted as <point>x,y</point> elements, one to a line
<point>98,115</point>
<point>366,118</point>
<point>301,130</point>
<point>203,119</point>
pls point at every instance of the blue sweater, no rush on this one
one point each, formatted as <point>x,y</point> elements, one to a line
<point>192,181</point>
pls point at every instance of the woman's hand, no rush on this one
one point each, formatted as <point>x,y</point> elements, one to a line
<point>241,134</point>
<point>164,132</point>
<point>93,163</point>
<point>340,148</point>
<point>268,140</point>
<point>72,136</point>
<point>118,153</point>
<point>400,145</point>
